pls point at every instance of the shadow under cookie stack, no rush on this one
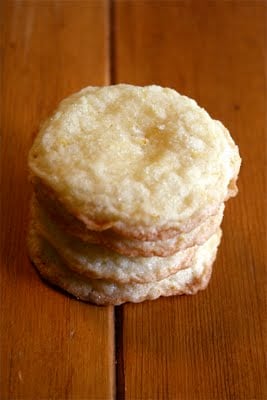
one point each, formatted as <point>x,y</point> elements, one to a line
<point>129,191</point>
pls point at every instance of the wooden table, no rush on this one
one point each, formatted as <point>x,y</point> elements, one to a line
<point>209,346</point>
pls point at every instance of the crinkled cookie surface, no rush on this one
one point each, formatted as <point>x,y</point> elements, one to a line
<point>141,157</point>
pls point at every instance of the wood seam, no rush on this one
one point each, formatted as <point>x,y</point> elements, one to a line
<point>118,314</point>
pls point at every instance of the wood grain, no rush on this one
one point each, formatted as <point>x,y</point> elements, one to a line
<point>210,346</point>
<point>52,347</point>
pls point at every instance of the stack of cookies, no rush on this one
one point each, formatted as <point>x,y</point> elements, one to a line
<point>129,191</point>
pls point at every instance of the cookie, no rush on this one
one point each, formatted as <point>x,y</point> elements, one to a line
<point>104,292</point>
<point>94,261</point>
<point>144,162</point>
<point>138,248</point>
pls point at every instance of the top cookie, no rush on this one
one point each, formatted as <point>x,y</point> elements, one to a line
<point>135,159</point>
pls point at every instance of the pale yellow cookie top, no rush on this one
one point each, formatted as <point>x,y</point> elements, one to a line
<point>135,155</point>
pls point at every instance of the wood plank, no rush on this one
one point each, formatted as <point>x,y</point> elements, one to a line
<point>209,346</point>
<point>51,345</point>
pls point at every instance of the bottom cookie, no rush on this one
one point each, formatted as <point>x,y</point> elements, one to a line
<point>106,292</point>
